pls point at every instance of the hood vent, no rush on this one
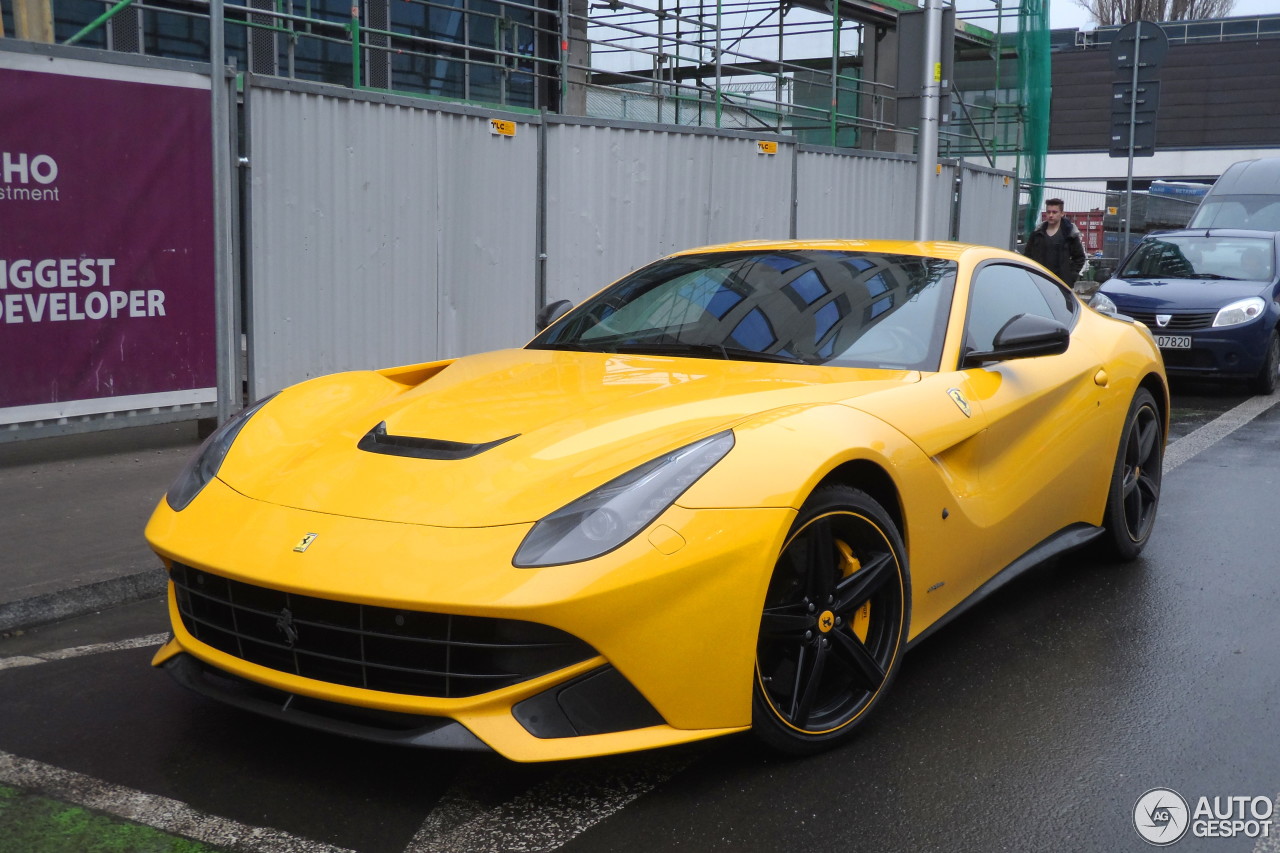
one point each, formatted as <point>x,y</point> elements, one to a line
<point>377,440</point>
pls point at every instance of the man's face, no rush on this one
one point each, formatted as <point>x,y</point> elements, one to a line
<point>1053,215</point>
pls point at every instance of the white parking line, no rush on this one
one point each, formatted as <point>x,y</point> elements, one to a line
<point>1216,430</point>
<point>1271,843</point>
<point>81,651</point>
<point>544,818</point>
<point>160,813</point>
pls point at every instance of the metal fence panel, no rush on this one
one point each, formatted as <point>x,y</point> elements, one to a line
<point>619,196</point>
<point>486,236</point>
<point>988,202</point>
<point>382,233</point>
<point>842,195</point>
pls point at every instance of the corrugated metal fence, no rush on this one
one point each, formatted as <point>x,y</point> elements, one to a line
<point>385,230</point>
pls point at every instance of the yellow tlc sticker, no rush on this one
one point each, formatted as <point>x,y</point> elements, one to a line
<point>502,127</point>
<point>766,148</point>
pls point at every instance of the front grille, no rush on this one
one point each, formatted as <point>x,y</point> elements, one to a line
<point>1184,322</point>
<point>359,645</point>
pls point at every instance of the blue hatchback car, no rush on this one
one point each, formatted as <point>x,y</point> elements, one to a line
<point>1210,299</point>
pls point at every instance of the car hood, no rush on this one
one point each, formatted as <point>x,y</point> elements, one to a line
<point>1187,294</point>
<point>516,433</point>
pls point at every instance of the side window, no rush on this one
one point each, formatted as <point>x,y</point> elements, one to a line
<point>1062,302</point>
<point>1001,292</point>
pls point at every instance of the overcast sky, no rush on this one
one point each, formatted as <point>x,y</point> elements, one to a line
<point>1066,13</point>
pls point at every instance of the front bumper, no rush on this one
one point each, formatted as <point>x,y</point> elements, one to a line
<point>674,613</point>
<point>1231,353</point>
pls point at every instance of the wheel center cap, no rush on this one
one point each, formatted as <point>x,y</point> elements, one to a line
<point>826,621</point>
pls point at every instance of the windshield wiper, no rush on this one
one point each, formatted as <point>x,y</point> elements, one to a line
<point>1215,276</point>
<point>704,350</point>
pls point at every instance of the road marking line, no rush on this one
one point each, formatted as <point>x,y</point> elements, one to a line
<point>547,816</point>
<point>1270,843</point>
<point>81,651</point>
<point>160,813</point>
<point>1216,430</point>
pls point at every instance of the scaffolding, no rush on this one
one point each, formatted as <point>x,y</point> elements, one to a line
<point>822,71</point>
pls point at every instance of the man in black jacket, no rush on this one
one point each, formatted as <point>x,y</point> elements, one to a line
<point>1057,244</point>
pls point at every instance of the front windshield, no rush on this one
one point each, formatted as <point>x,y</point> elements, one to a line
<point>846,308</point>
<point>1247,212</point>
<point>1209,258</point>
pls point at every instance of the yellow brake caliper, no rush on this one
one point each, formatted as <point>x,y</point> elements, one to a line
<point>861,621</point>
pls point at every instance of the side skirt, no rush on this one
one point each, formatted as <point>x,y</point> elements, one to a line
<point>1064,541</point>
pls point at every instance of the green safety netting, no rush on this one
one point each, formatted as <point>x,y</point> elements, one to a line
<point>1033,79</point>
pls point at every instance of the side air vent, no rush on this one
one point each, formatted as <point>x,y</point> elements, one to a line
<point>378,440</point>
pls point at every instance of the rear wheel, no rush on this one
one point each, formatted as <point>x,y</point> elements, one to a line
<point>1265,381</point>
<point>1134,496</point>
<point>834,624</point>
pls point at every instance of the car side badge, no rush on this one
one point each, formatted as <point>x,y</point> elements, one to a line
<point>960,401</point>
<point>305,542</point>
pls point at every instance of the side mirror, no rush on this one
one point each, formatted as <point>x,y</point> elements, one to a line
<point>548,314</point>
<point>1024,336</point>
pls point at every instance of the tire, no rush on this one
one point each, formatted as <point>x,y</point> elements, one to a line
<point>1265,382</point>
<point>1134,493</point>
<point>834,623</point>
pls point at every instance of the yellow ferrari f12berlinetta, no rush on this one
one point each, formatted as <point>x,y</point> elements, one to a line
<point>724,494</point>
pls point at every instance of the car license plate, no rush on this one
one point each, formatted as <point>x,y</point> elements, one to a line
<point>1173,341</point>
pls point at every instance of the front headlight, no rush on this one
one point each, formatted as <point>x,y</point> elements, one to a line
<point>204,466</point>
<point>1241,311</point>
<point>1102,303</point>
<point>606,518</point>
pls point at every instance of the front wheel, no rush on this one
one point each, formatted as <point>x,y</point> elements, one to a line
<point>1134,494</point>
<point>1265,381</point>
<point>834,625</point>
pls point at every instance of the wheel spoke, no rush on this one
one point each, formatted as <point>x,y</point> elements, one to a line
<point>852,651</point>
<point>1128,483</point>
<point>1147,436</point>
<point>852,591</point>
<point>821,560</point>
<point>802,705</point>
<point>801,661</point>
<point>791,620</point>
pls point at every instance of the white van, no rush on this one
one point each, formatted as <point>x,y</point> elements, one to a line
<point>1246,196</point>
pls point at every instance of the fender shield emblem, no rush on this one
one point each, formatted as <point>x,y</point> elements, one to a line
<point>958,398</point>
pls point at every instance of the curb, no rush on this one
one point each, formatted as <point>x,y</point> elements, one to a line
<point>82,600</point>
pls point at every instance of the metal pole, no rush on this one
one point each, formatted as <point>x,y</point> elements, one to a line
<point>1133,119</point>
<point>92,25</point>
<point>835,72</point>
<point>929,98</point>
<point>354,26</point>
<point>719,82</point>
<point>226,348</point>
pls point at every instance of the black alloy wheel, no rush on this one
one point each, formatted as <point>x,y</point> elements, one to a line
<point>1265,382</point>
<point>834,624</point>
<point>1134,496</point>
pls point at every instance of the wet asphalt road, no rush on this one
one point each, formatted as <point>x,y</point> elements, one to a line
<point>1034,722</point>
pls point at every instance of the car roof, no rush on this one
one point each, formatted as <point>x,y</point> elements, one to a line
<point>1211,232</point>
<point>1250,177</point>
<point>929,248</point>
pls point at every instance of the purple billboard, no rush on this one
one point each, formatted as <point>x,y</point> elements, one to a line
<point>106,244</point>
